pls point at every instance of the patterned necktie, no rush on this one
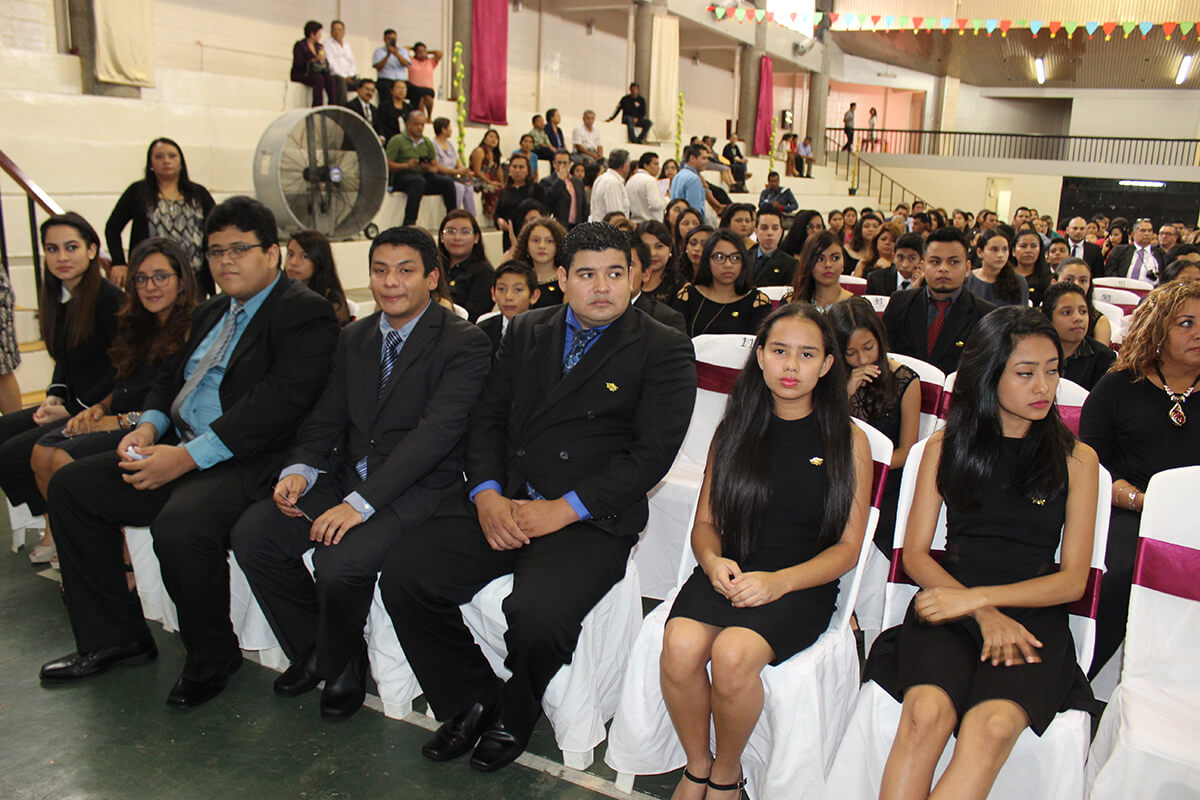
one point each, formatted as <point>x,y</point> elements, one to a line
<point>386,362</point>
<point>578,346</point>
<point>214,356</point>
<point>935,327</point>
<point>1136,273</point>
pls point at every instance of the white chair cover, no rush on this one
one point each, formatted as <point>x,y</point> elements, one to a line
<point>1114,314</point>
<point>776,293</point>
<point>19,520</point>
<point>933,381</point>
<point>488,315</point>
<point>944,405</point>
<point>1123,299</point>
<point>1045,768</point>
<point>807,698</point>
<point>249,623</point>
<point>580,698</point>
<point>879,302</point>
<point>461,312</point>
<point>854,285</point>
<point>1148,743</point>
<point>1069,399</point>
<point>1138,287</point>
<point>718,358</point>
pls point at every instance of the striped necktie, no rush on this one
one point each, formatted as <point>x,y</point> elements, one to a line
<point>578,346</point>
<point>387,361</point>
<point>214,357</point>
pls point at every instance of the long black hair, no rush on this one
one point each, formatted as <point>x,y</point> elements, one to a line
<point>797,235</point>
<point>79,316</point>
<point>704,274</point>
<point>1007,285</point>
<point>683,264</point>
<point>741,468</point>
<point>324,280</point>
<point>803,285</point>
<point>973,429</point>
<point>1039,281</point>
<point>477,253</point>
<point>683,213</point>
<point>848,316</point>
<point>190,191</point>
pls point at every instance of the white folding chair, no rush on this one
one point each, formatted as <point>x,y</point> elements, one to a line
<point>719,359</point>
<point>933,381</point>
<point>1123,299</point>
<point>807,698</point>
<point>1045,768</point>
<point>580,698</point>
<point>852,284</point>
<point>879,302</point>
<point>19,521</point>
<point>1147,744</point>
<point>488,315</point>
<point>1139,287</point>
<point>776,293</point>
<point>1069,399</point>
<point>944,403</point>
<point>461,312</point>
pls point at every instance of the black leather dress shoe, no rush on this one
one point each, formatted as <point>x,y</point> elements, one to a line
<point>189,693</point>
<point>77,666</point>
<point>344,695</point>
<point>459,735</point>
<point>497,748</point>
<point>300,677</point>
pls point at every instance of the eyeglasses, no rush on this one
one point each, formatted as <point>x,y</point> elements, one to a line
<point>159,278</point>
<point>236,252</point>
<point>732,258</point>
<point>458,232</point>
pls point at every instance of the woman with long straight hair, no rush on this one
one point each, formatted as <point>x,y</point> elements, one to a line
<point>1077,271</point>
<point>862,240</point>
<point>78,314</point>
<point>661,277</point>
<point>985,650</point>
<point>782,512</point>
<point>309,259</point>
<point>465,266</point>
<point>818,273</point>
<point>1030,263</point>
<point>994,279</point>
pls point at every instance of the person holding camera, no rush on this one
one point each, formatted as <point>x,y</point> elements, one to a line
<point>412,162</point>
<point>310,66</point>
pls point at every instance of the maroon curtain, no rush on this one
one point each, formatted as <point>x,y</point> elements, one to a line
<point>766,107</point>
<point>489,62</point>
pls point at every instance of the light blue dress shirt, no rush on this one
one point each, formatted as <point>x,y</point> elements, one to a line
<point>688,184</point>
<point>203,405</point>
<point>354,499</point>
<point>392,68</point>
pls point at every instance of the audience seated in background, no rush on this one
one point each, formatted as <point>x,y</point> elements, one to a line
<point>932,322</point>
<point>514,291</point>
<point>520,187</point>
<point>994,280</point>
<point>585,140</point>
<point>558,141</point>
<point>1140,259</point>
<point>341,62</point>
<point>646,198</point>
<point>691,237</point>
<point>1179,270</point>
<point>393,110</point>
<point>541,141</point>
<point>310,67</point>
<point>1085,360</point>
<point>905,271</point>
<point>818,273</point>
<point>308,259</point>
<point>862,242</point>
<point>563,193</point>
<point>485,168</point>
<point>732,152</point>
<point>364,93</point>
<point>564,514</point>
<point>632,108</point>
<point>415,171</point>
<point>660,275</point>
<point>776,197</point>
<point>722,298</point>
<point>539,246</point>
<point>450,166</point>
<point>377,454</point>
<point>391,65</point>
<point>1075,270</point>
<point>608,192</point>
<point>739,218</point>
<point>807,224</point>
<point>526,149</point>
<point>233,412</point>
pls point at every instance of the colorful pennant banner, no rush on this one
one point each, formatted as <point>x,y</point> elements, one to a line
<point>889,22</point>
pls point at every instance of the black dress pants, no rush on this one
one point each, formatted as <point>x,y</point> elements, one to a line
<point>190,520</point>
<point>18,434</point>
<point>557,580</point>
<point>330,612</point>
<point>1113,609</point>
<point>416,185</point>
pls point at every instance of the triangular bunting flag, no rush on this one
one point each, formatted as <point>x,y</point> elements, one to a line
<point>962,26</point>
<point>760,15</point>
<point>817,16</point>
<point>946,23</point>
<point>1145,28</point>
<point>917,21</point>
<point>1109,27</point>
<point>1034,27</point>
<point>770,16</point>
<point>903,22</point>
<point>1054,27</point>
<point>1169,28</point>
<point>833,18</point>
<point>720,12</point>
<point>1185,28</point>
<point>991,25</point>
<point>1005,24</point>
<point>889,22</point>
<point>1091,28</point>
<point>976,24</point>
<point>740,14</point>
<point>1070,28</point>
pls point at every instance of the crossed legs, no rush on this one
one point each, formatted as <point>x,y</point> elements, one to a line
<point>733,700</point>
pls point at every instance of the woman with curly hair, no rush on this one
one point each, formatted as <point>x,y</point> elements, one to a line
<point>538,245</point>
<point>862,240</point>
<point>1140,421</point>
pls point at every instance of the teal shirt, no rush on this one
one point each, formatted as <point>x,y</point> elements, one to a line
<point>402,148</point>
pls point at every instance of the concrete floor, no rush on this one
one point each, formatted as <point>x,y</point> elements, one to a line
<point>114,737</point>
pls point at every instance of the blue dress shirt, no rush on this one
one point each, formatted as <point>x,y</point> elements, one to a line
<point>688,184</point>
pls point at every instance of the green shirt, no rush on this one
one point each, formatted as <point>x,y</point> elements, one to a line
<point>540,139</point>
<point>402,148</point>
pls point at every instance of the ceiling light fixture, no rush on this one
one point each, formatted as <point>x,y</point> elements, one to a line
<point>1143,184</point>
<point>1185,67</point>
<point>1039,66</point>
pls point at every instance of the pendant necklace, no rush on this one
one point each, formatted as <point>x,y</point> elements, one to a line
<point>1176,414</point>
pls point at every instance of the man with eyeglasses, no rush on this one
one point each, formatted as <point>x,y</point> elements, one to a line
<point>1139,260</point>
<point>216,426</point>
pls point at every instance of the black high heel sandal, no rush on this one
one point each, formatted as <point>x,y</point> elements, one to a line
<point>729,787</point>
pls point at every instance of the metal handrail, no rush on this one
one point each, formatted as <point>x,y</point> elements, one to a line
<point>1034,146</point>
<point>35,196</point>
<point>856,166</point>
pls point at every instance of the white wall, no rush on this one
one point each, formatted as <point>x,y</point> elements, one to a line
<point>980,110</point>
<point>958,188</point>
<point>27,25</point>
<point>1165,113</point>
<point>791,92</point>
<point>708,94</point>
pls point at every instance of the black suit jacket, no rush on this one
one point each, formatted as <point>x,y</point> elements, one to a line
<point>883,281</point>
<point>1120,259</point>
<point>661,312</point>
<point>1093,255</point>
<point>494,328</point>
<point>558,199</point>
<point>412,436</point>
<point>778,270</point>
<point>608,430</point>
<point>905,320</point>
<point>359,107</point>
<point>273,377</point>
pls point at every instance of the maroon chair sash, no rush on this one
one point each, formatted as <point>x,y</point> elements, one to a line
<point>715,378</point>
<point>1168,568</point>
<point>931,397</point>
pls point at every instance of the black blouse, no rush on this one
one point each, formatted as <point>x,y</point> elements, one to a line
<point>471,286</point>
<point>84,376</point>
<point>1088,364</point>
<point>702,315</point>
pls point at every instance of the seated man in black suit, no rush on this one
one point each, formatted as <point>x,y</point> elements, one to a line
<point>772,266</point>
<point>905,272</point>
<point>223,413</point>
<point>1141,259</point>
<point>514,291</point>
<point>639,257</point>
<point>375,457</point>
<point>361,102</point>
<point>932,323</point>
<point>582,414</point>
<point>564,195</point>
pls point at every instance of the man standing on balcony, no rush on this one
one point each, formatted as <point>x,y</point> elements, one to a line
<point>848,121</point>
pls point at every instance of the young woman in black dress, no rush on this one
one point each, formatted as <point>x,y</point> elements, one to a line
<point>538,245</point>
<point>722,298</point>
<point>883,394</point>
<point>985,649</point>
<point>662,279</point>
<point>781,517</point>
<point>465,266</point>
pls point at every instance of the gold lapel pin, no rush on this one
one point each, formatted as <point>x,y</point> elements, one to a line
<point>959,343</point>
<point>612,387</point>
<point>816,461</point>
<point>1039,501</point>
<point>734,314</point>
